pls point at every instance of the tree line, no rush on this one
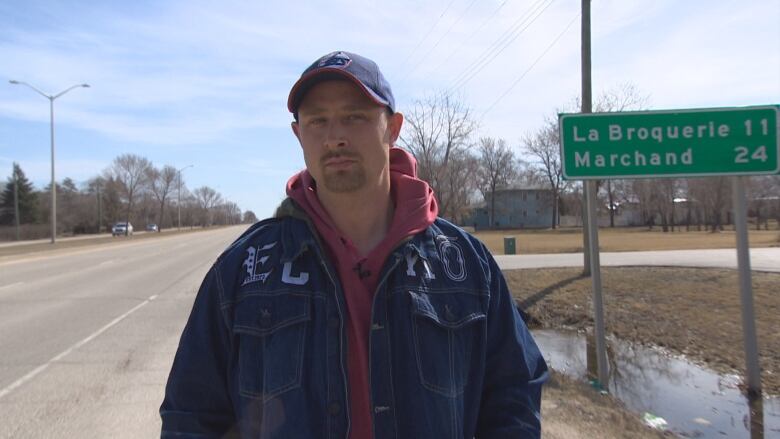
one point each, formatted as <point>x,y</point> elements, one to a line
<point>466,168</point>
<point>130,189</point>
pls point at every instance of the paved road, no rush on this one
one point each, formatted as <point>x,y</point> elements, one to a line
<point>87,336</point>
<point>761,259</point>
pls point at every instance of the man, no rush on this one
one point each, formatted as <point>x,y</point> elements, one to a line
<point>355,312</point>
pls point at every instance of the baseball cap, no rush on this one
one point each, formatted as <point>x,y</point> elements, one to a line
<point>343,65</point>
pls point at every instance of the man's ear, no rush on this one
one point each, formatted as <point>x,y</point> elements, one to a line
<point>394,123</point>
<point>295,128</point>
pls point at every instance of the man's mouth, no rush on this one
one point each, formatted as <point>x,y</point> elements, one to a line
<point>340,161</point>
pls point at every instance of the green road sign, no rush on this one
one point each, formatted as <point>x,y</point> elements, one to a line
<point>673,143</point>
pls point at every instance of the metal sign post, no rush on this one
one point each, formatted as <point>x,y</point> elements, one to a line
<point>746,289</point>
<point>595,274</point>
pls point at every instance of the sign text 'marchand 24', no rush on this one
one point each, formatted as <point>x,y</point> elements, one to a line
<point>684,143</point>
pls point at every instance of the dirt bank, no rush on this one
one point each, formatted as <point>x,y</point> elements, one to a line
<point>573,410</point>
<point>691,311</point>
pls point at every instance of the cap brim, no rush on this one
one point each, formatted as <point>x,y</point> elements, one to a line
<point>312,78</point>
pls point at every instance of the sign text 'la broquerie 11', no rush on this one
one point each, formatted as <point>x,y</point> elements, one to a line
<point>684,143</point>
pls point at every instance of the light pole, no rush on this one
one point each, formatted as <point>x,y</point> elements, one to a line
<point>178,201</point>
<point>51,99</point>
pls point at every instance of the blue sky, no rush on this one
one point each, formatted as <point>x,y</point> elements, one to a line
<point>206,83</point>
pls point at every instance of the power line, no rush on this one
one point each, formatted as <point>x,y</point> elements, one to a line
<point>425,57</point>
<point>496,43</point>
<point>501,44</point>
<point>430,30</point>
<point>560,35</point>
<point>460,46</point>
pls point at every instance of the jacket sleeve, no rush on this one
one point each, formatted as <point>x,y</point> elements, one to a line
<point>197,402</point>
<point>515,370</point>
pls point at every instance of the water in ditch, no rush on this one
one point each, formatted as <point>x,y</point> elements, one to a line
<point>694,401</point>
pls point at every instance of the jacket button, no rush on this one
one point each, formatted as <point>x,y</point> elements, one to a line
<point>333,322</point>
<point>334,408</point>
<point>265,318</point>
<point>448,314</point>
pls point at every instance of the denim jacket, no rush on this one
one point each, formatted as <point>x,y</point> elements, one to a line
<point>263,354</point>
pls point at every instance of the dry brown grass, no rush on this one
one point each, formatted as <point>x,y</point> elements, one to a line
<point>572,410</point>
<point>692,311</point>
<point>569,240</point>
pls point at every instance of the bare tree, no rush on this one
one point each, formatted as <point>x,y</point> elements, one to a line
<point>544,147</point>
<point>623,97</point>
<point>666,189</point>
<point>496,168</point>
<point>617,193</point>
<point>458,126</point>
<point>206,198</point>
<point>712,194</point>
<point>161,183</point>
<point>572,200</point>
<point>656,200</point>
<point>763,192</point>
<point>438,132</point>
<point>108,200</point>
<point>231,212</point>
<point>461,184</point>
<point>130,172</point>
<point>421,136</point>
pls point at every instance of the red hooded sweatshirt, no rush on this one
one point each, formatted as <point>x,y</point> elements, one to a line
<point>415,210</point>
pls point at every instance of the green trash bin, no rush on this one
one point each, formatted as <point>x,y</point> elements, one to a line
<point>509,245</point>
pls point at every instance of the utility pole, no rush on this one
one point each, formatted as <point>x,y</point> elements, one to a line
<point>178,200</point>
<point>16,202</point>
<point>100,209</point>
<point>178,197</point>
<point>587,99</point>
<point>592,234</point>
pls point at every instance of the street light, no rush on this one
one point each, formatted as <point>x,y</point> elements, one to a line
<point>178,202</point>
<point>51,99</point>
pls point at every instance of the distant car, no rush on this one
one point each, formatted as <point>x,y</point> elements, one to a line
<point>122,229</point>
<point>152,228</point>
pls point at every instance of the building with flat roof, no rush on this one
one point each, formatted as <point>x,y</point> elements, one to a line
<point>515,208</point>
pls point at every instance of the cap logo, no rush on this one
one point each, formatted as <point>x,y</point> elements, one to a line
<point>335,59</point>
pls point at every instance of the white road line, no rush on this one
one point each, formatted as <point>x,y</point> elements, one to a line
<point>11,285</point>
<point>111,261</point>
<point>33,373</point>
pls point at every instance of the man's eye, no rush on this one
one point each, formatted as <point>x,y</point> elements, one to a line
<point>356,117</point>
<point>317,121</point>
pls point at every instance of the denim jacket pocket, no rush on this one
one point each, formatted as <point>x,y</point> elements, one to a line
<point>445,326</point>
<point>271,330</point>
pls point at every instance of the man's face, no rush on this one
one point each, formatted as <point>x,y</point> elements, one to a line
<point>345,136</point>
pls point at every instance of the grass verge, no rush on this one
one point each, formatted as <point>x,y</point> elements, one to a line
<point>621,239</point>
<point>572,409</point>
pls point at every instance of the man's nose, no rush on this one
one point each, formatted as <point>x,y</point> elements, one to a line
<point>335,135</point>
